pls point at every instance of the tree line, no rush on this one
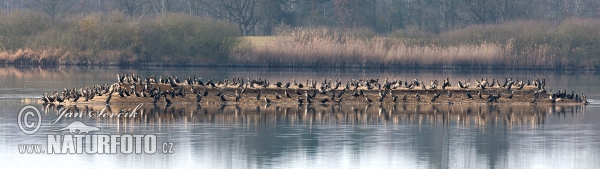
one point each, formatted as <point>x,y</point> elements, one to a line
<point>265,17</point>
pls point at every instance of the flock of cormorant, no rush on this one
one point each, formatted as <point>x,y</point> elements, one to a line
<point>239,90</point>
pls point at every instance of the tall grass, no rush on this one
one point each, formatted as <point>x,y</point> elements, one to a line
<point>27,37</point>
<point>573,43</point>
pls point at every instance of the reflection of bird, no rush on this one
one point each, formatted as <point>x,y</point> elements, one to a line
<point>168,101</point>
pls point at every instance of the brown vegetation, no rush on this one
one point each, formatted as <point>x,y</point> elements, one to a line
<point>28,38</point>
<point>574,43</point>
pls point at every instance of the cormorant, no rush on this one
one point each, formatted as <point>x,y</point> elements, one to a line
<point>198,98</point>
<point>76,98</point>
<point>308,100</point>
<point>469,95</point>
<point>108,98</point>
<point>368,100</point>
<point>258,96</point>
<point>168,101</point>
<point>324,100</point>
<point>44,98</point>
<point>222,96</point>
<point>156,97</point>
<point>300,100</point>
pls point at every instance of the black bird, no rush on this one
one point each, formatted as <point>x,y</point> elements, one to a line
<point>267,100</point>
<point>511,95</point>
<point>298,92</point>
<point>168,101</point>
<point>121,93</point>
<point>418,97</point>
<point>479,94</point>
<point>60,99</point>
<point>287,85</point>
<point>300,100</point>
<point>44,98</point>
<point>76,98</point>
<point>287,94</point>
<point>449,94</point>
<point>404,97</point>
<point>258,96</point>
<point>108,98</point>
<point>198,98</point>
<point>394,98</point>
<point>469,95</point>
<point>355,94</point>
<point>156,98</point>
<point>341,93</point>
<point>533,101</point>
<point>324,100</point>
<point>205,93</point>
<point>277,96</point>
<point>491,99</point>
<point>368,100</point>
<point>222,96</point>
<point>237,96</point>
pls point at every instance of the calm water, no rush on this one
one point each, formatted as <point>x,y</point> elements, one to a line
<point>316,136</point>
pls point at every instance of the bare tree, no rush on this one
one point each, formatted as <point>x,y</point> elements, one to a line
<point>131,7</point>
<point>52,8</point>
<point>241,12</point>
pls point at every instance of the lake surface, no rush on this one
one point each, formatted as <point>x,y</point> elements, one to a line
<point>315,136</point>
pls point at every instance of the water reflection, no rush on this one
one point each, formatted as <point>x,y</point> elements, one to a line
<point>317,114</point>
